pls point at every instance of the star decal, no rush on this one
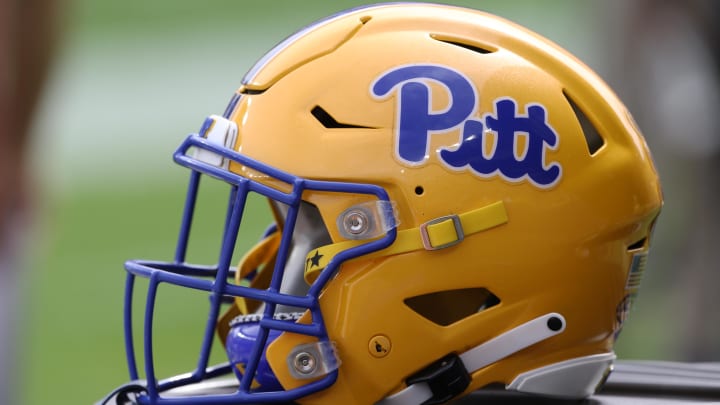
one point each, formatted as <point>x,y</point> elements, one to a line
<point>315,260</point>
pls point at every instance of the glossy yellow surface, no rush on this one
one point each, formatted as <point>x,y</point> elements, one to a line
<point>563,249</point>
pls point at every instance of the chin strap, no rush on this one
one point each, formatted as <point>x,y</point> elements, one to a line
<point>438,233</point>
<point>450,376</point>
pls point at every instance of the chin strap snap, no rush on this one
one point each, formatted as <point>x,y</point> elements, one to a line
<point>438,233</point>
<point>451,375</point>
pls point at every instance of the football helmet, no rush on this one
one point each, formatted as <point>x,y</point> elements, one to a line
<point>457,202</point>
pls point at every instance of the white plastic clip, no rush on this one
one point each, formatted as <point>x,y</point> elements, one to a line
<point>367,220</point>
<point>312,360</point>
<point>218,131</point>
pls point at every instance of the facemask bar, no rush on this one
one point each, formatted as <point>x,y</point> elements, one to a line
<point>214,279</point>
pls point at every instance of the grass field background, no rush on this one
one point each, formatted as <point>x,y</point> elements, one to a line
<point>130,80</point>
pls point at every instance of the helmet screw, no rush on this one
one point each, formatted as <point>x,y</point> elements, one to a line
<point>356,222</point>
<point>305,363</point>
<point>379,346</point>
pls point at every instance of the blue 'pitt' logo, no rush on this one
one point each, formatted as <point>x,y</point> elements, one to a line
<point>417,123</point>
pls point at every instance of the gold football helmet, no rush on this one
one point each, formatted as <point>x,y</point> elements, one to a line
<point>458,202</point>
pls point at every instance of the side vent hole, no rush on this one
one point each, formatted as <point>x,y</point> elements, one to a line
<point>447,307</point>
<point>328,121</point>
<point>592,136</point>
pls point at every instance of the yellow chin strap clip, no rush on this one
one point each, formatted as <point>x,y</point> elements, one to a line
<point>438,233</point>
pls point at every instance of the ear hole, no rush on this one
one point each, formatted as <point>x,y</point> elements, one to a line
<point>592,136</point>
<point>419,190</point>
<point>447,307</point>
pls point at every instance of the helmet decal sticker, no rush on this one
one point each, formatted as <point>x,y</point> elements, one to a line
<point>632,287</point>
<point>416,122</point>
<point>508,125</point>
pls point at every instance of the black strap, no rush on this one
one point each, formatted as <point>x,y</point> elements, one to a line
<point>446,379</point>
<point>125,394</point>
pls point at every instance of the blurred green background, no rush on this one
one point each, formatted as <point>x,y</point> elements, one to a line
<point>130,79</point>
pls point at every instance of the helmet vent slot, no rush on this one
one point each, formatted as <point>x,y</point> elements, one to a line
<point>447,307</point>
<point>637,245</point>
<point>328,121</point>
<point>592,136</point>
<point>463,43</point>
<point>245,90</point>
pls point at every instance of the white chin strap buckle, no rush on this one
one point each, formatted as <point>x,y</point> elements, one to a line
<point>450,376</point>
